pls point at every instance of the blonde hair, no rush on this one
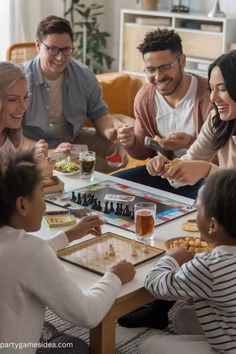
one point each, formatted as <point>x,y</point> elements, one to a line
<point>9,74</point>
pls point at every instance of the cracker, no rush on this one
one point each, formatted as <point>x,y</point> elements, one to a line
<point>190,226</point>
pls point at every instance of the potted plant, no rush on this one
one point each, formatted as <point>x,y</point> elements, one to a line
<point>90,42</point>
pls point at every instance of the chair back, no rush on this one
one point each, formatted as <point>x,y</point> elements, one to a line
<point>20,52</point>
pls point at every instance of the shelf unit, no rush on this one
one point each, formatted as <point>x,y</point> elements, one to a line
<point>203,38</point>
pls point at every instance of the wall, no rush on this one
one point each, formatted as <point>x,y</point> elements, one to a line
<point>113,8</point>
<point>24,15</point>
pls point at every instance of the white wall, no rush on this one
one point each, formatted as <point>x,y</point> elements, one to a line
<point>20,28</point>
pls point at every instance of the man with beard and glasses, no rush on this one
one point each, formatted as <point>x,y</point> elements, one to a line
<point>171,108</point>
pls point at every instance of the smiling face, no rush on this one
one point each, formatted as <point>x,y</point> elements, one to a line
<point>53,66</point>
<point>166,81</point>
<point>14,104</point>
<point>220,97</point>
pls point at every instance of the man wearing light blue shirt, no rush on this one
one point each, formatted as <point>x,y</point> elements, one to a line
<point>62,93</point>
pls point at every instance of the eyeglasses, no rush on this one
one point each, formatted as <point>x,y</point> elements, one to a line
<point>151,70</point>
<point>53,51</point>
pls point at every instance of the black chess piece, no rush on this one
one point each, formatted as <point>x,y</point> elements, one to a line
<point>121,209</point>
<point>88,198</point>
<point>95,204</point>
<point>84,200</point>
<point>117,211</point>
<point>73,197</point>
<point>126,211</point>
<point>111,208</point>
<point>106,210</point>
<point>91,200</point>
<point>99,208</point>
<point>79,200</point>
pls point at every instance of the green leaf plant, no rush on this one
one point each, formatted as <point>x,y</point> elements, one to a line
<point>84,22</point>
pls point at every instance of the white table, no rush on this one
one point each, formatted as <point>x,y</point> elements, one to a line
<point>133,294</point>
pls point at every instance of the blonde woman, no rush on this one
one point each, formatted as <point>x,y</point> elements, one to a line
<point>13,104</point>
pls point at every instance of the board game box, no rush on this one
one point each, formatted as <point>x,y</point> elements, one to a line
<point>100,253</point>
<point>94,197</point>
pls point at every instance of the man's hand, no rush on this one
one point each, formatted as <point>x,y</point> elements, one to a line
<point>124,270</point>
<point>180,255</point>
<point>64,148</point>
<point>125,135</point>
<point>88,224</point>
<point>177,141</point>
<point>156,165</point>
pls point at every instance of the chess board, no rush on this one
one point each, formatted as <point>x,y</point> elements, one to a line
<point>166,208</point>
<point>94,254</point>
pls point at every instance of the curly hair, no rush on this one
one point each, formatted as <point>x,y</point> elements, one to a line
<point>219,199</point>
<point>227,65</point>
<point>19,176</point>
<point>161,39</point>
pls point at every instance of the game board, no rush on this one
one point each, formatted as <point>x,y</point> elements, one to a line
<point>167,209</point>
<point>94,254</point>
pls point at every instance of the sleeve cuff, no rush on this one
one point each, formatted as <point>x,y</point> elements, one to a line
<point>59,241</point>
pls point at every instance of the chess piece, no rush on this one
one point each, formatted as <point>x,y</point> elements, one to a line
<point>132,214</point>
<point>73,197</point>
<point>145,248</point>
<point>134,252</point>
<point>121,209</point>
<point>88,198</point>
<point>79,200</point>
<point>112,252</point>
<point>111,208</point>
<point>106,210</point>
<point>126,211</point>
<point>91,200</point>
<point>99,208</point>
<point>117,212</point>
<point>106,256</point>
<point>94,205</point>
<point>84,200</point>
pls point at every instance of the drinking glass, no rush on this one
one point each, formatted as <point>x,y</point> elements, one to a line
<point>87,164</point>
<point>144,216</point>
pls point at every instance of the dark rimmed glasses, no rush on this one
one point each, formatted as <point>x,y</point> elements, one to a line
<point>152,70</point>
<point>53,51</point>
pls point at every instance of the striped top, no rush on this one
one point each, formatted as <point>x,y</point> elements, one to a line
<point>210,280</point>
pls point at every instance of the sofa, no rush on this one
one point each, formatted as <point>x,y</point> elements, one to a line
<point>119,91</point>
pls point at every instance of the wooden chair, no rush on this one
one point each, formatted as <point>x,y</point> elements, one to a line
<point>20,52</point>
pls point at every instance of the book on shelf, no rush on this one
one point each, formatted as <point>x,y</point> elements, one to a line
<point>211,27</point>
<point>155,21</point>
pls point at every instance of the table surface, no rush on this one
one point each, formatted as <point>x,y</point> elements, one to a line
<point>162,232</point>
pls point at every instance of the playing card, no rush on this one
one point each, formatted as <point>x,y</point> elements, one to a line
<point>119,198</point>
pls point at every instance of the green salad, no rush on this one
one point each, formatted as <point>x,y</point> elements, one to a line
<point>66,166</point>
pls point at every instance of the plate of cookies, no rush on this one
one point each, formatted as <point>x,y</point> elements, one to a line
<point>192,244</point>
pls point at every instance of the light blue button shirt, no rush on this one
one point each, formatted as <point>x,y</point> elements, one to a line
<point>82,97</point>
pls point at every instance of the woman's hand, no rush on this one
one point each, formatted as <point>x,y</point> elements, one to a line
<point>188,172</point>
<point>156,165</point>
<point>87,225</point>
<point>41,149</point>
